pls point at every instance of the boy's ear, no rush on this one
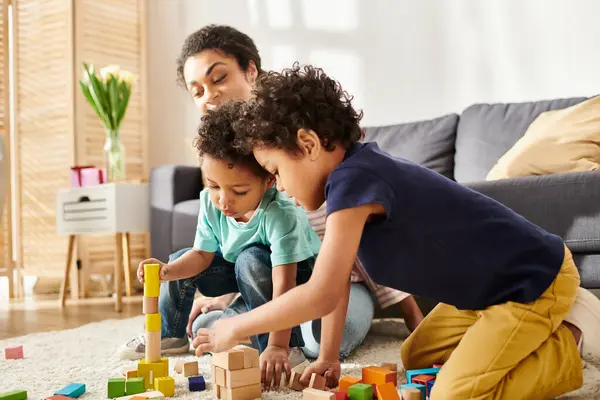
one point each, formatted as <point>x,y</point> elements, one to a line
<point>309,143</point>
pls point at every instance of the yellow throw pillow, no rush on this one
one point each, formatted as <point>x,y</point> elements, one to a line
<point>558,141</point>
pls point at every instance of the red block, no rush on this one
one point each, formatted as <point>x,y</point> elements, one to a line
<point>423,379</point>
<point>58,397</point>
<point>341,396</point>
<point>14,353</point>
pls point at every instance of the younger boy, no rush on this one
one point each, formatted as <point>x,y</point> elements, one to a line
<point>512,322</point>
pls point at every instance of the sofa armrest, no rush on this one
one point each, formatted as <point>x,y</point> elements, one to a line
<point>567,205</point>
<point>169,185</point>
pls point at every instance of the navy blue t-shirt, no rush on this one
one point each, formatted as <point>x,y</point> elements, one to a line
<point>440,239</point>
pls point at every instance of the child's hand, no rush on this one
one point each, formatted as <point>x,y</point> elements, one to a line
<point>203,305</point>
<point>332,371</point>
<point>217,339</point>
<point>273,362</point>
<point>140,271</point>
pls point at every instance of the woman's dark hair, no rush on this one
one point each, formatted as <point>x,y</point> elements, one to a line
<point>216,138</point>
<point>222,38</point>
<point>297,98</point>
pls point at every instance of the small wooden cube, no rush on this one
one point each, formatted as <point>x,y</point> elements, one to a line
<point>317,381</point>
<point>130,373</point>
<point>116,387</point>
<point>417,386</point>
<point>251,356</point>
<point>190,368</point>
<point>241,393</point>
<point>230,360</point>
<point>13,353</point>
<point>361,391</point>
<point>73,390</point>
<point>153,322</point>
<point>341,396</point>
<point>387,391</point>
<point>179,366</point>
<point>150,305</point>
<point>219,376</point>
<point>316,394</point>
<point>346,382</point>
<point>423,380</point>
<point>411,394</point>
<point>196,383</point>
<point>242,377</point>
<point>165,385</point>
<point>378,376</point>
<point>134,386</point>
<point>151,280</point>
<point>295,381</point>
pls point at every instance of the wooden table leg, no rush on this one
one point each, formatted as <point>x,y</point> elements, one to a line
<point>65,282</point>
<point>119,272</point>
<point>126,264</point>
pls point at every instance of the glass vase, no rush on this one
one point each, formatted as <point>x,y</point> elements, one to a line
<point>114,156</point>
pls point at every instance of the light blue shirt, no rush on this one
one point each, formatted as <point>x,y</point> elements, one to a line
<point>277,223</point>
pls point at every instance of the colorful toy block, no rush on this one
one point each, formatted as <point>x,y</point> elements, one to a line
<point>153,395</point>
<point>418,386</point>
<point>410,393</point>
<point>150,371</point>
<point>341,396</point>
<point>317,381</point>
<point>190,368</point>
<point>58,397</point>
<point>429,387</point>
<point>423,380</point>
<point>135,386</point>
<point>387,391</point>
<point>196,383</point>
<point>346,382</point>
<point>149,305</point>
<point>151,280</point>
<point>14,395</point>
<point>153,322</point>
<point>378,376</point>
<point>360,391</point>
<point>73,390</point>
<point>116,387</point>
<point>165,385</point>
<point>13,353</point>
<point>410,374</point>
<point>130,373</point>
<point>390,366</point>
<point>316,394</point>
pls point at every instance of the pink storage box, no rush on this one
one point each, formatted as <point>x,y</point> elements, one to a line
<point>87,176</point>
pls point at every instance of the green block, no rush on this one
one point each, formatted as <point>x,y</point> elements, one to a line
<point>116,387</point>
<point>134,386</point>
<point>14,395</point>
<point>360,391</point>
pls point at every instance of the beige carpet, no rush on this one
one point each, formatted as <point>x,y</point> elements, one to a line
<point>87,355</point>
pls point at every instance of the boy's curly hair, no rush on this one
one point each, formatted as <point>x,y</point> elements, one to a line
<point>222,38</point>
<point>298,98</point>
<point>216,138</point>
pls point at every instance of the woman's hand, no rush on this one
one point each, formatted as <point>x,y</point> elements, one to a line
<point>273,363</point>
<point>331,370</point>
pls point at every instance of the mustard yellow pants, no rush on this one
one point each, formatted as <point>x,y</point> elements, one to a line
<point>507,351</point>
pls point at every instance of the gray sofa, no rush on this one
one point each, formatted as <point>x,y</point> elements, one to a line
<point>462,147</point>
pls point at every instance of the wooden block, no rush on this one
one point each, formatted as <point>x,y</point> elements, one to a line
<point>149,371</point>
<point>231,360</point>
<point>165,385</point>
<point>346,382</point>
<point>251,356</point>
<point>14,395</point>
<point>150,305</point>
<point>154,395</point>
<point>414,372</point>
<point>73,390</point>
<point>419,387</point>
<point>13,353</point>
<point>190,368</point>
<point>316,394</point>
<point>387,391</point>
<point>411,394</point>
<point>378,376</point>
<point>295,381</point>
<point>423,380</point>
<point>135,386</point>
<point>153,346</point>
<point>241,393</point>
<point>196,383</point>
<point>390,366</point>
<point>429,387</point>
<point>115,387</point>
<point>242,377</point>
<point>151,280</point>
<point>361,391</point>
<point>341,396</point>
<point>217,390</point>
<point>219,376</point>
<point>153,322</point>
<point>179,366</point>
<point>130,373</point>
<point>317,381</point>
<point>57,397</point>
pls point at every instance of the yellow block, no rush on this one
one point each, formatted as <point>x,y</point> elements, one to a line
<point>165,385</point>
<point>150,371</point>
<point>153,322</point>
<point>151,280</point>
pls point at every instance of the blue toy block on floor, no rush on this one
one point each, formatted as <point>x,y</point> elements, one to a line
<point>416,386</point>
<point>74,390</point>
<point>414,372</point>
<point>197,383</point>
<point>430,386</point>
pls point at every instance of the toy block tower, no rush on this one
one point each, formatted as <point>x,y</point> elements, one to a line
<point>236,374</point>
<point>153,368</point>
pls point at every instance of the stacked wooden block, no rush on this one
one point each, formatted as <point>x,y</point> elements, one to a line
<point>236,374</point>
<point>419,383</point>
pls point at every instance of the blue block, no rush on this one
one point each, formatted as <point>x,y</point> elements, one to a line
<point>197,383</point>
<point>416,386</point>
<point>414,372</point>
<point>429,387</point>
<point>74,390</point>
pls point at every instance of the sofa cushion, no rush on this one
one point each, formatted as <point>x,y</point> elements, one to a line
<point>486,131</point>
<point>429,143</point>
<point>185,219</point>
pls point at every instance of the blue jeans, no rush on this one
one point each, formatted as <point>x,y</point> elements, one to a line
<point>250,276</point>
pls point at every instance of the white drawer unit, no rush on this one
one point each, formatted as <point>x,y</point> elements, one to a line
<point>101,209</point>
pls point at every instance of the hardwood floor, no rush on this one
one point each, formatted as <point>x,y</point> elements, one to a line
<point>41,315</point>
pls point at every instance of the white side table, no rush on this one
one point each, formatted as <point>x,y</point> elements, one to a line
<point>111,208</point>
